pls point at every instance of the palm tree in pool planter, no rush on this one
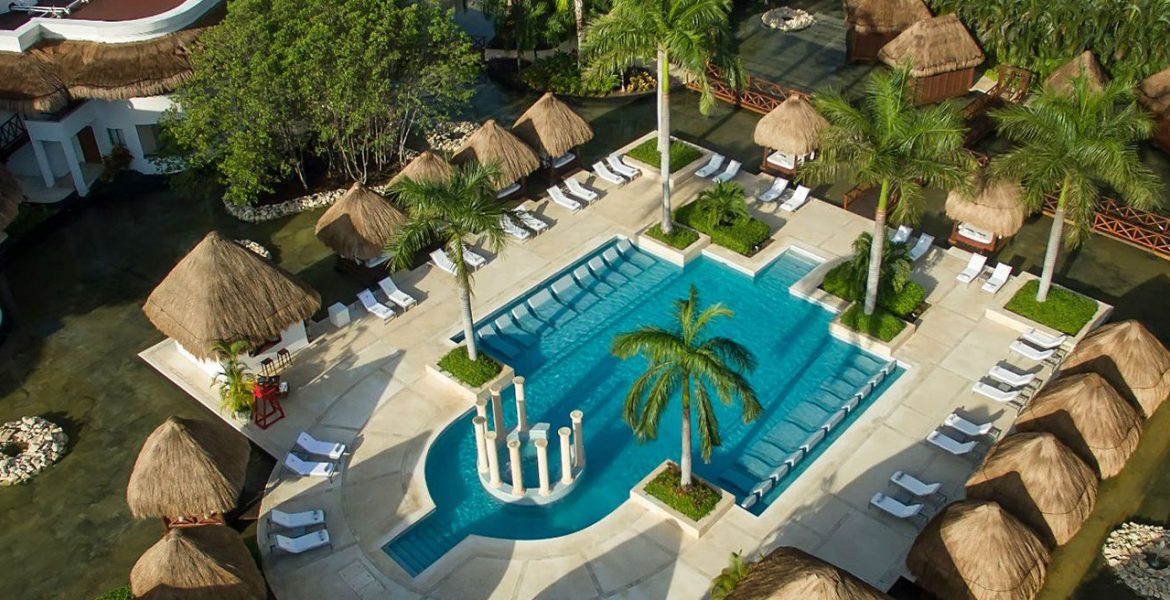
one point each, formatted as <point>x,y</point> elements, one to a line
<point>684,361</point>
<point>887,141</point>
<point>690,34</point>
<point>450,210</point>
<point>1067,144</point>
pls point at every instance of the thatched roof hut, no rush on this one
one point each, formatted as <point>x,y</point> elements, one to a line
<point>359,223</point>
<point>884,16</point>
<point>1089,417</point>
<point>222,291</point>
<point>1040,481</point>
<point>551,127</point>
<point>11,195</point>
<point>188,468</point>
<point>789,573</point>
<point>975,550</point>
<point>993,206</point>
<point>791,128</point>
<point>1130,358</point>
<point>942,55</point>
<point>1085,65</point>
<point>198,563</point>
<point>424,168</point>
<point>1154,93</point>
<point>492,144</point>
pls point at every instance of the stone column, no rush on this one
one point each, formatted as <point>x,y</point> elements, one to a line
<point>497,412</point>
<point>481,408</point>
<point>73,161</point>
<point>43,165</point>
<point>542,465</point>
<point>566,456</point>
<point>493,456</point>
<point>578,440</point>
<point>521,411</point>
<point>480,425</point>
<point>517,468</point>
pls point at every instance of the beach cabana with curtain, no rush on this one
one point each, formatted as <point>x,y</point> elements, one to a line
<point>1039,481</point>
<point>427,167</point>
<point>492,144</point>
<point>1084,65</point>
<point>358,225</point>
<point>976,550</point>
<point>942,56</point>
<point>198,563</point>
<point>223,292</point>
<point>188,472</point>
<point>871,24</point>
<point>789,573</point>
<point>985,217</point>
<point>788,135</point>
<point>551,128</point>
<point>1130,358</point>
<point>1154,95</point>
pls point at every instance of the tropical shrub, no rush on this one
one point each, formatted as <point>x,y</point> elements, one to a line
<point>727,579</point>
<point>695,501</point>
<point>679,239</point>
<point>882,324</point>
<point>472,372</point>
<point>681,154</point>
<point>560,74</point>
<point>743,233</point>
<point>122,593</point>
<point>721,206</point>
<point>903,303</point>
<point>235,383</point>
<point>641,82</point>
<point>115,162</point>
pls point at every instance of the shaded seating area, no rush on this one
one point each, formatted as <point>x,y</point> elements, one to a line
<point>552,128</point>
<point>788,573</point>
<point>1084,65</point>
<point>1130,358</point>
<point>985,217</point>
<point>357,227</point>
<point>871,24</point>
<point>1154,95</point>
<point>427,167</point>
<point>942,55</point>
<point>788,135</point>
<point>494,145</point>
<point>198,563</point>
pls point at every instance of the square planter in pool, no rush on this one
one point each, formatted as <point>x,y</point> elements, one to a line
<point>691,527</point>
<point>503,380</point>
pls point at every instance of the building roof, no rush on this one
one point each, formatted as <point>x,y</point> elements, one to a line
<point>1130,358</point>
<point>427,167</point>
<point>551,127</point>
<point>884,16</point>
<point>359,224</point>
<point>933,46</point>
<point>789,573</point>
<point>1086,65</point>
<point>209,562</point>
<point>995,207</point>
<point>492,144</point>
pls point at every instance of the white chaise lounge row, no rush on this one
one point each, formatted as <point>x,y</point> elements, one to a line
<point>790,199</point>
<point>998,278</point>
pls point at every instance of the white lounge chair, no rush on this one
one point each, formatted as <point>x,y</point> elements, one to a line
<point>893,507</point>
<point>712,167</point>
<point>621,168</point>
<point>472,258</point>
<point>309,468</point>
<point>579,191</point>
<point>998,278</point>
<point>969,428</point>
<point>1043,340</point>
<point>304,543</point>
<point>1031,352</point>
<point>902,235</point>
<point>397,296</point>
<point>988,390</point>
<point>799,198</point>
<point>374,307</point>
<point>511,229</point>
<point>312,445</point>
<point>605,174</point>
<point>283,520</point>
<point>950,444</point>
<point>1007,376</point>
<point>921,247</point>
<point>560,198</point>
<point>530,221</point>
<point>443,262</point>
<point>974,268</point>
<point>729,173</point>
<point>779,184</point>
<point>915,486</point>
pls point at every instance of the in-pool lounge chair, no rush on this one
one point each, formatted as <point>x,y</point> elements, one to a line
<point>561,199</point>
<point>304,543</point>
<point>280,519</point>
<point>511,229</point>
<point>895,508</point>
<point>621,168</point>
<point>579,191</point>
<point>530,221</point>
<point>950,444</point>
<point>993,391</point>
<point>374,307</point>
<point>443,262</point>
<point>312,445</point>
<point>712,167</point>
<point>902,235</point>
<point>778,186</point>
<point>1010,377</point>
<point>729,173</point>
<point>916,487</point>
<point>1031,352</point>
<point>799,198</point>
<point>1042,340</point>
<point>402,299</point>
<point>998,278</point>
<point>974,268</point>
<point>921,247</point>
<point>969,428</point>
<point>603,173</point>
<point>307,468</point>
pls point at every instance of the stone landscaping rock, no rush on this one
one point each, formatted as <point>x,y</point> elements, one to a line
<point>788,19</point>
<point>1140,557</point>
<point>255,247</point>
<point>39,443</point>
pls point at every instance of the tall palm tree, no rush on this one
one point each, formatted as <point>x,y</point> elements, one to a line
<point>579,19</point>
<point>683,360</point>
<point>887,141</point>
<point>1068,144</point>
<point>687,33</point>
<point>450,210</point>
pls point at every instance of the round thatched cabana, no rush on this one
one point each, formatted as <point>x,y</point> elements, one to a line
<point>871,24</point>
<point>1154,95</point>
<point>990,213</point>
<point>1089,417</point>
<point>942,56</point>
<point>1039,481</point>
<point>553,130</point>
<point>187,470</point>
<point>975,550</point>
<point>427,167</point>
<point>789,573</point>
<point>11,195</point>
<point>1130,358</point>
<point>492,144</point>
<point>222,291</point>
<point>359,224</point>
<point>198,563</point>
<point>790,132</point>
<point>1085,65</point>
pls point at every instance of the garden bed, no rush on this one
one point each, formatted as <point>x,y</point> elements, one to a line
<point>694,510</point>
<point>746,235</point>
<point>559,74</point>
<point>1065,311</point>
<point>679,239</point>
<point>470,380</point>
<point>681,154</point>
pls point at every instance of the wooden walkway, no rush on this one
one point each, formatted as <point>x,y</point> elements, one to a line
<point>1146,230</point>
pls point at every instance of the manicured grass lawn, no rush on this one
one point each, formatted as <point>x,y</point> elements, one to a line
<point>1064,311</point>
<point>882,324</point>
<point>695,502</point>
<point>681,154</point>
<point>678,239</point>
<point>473,374</point>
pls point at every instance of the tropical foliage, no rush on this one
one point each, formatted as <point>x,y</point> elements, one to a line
<point>528,26</point>
<point>896,292</point>
<point>474,373</point>
<point>722,205</point>
<point>683,360</point>
<point>727,579</point>
<point>681,154</point>
<point>560,74</point>
<point>235,382</point>
<point>679,239</point>
<point>694,501</point>
<point>1065,310</point>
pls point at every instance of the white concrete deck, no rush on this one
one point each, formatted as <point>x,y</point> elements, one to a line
<point>365,385</point>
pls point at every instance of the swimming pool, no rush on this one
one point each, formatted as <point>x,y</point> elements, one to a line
<point>558,337</point>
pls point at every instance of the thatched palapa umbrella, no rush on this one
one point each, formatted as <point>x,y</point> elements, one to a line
<point>552,128</point>
<point>359,223</point>
<point>791,128</point>
<point>494,145</point>
<point>788,573</point>
<point>1085,65</point>
<point>975,550</point>
<point>1089,417</point>
<point>1039,481</point>
<point>1154,93</point>
<point>11,195</point>
<point>187,469</point>
<point>942,56</point>
<point>427,167</point>
<point>1130,358</point>
<point>222,291</point>
<point>873,23</point>
<point>993,206</point>
<point>198,563</point>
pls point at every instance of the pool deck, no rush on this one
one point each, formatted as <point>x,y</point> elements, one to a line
<point>366,385</point>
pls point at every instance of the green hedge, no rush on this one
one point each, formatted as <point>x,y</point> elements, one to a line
<point>473,374</point>
<point>122,593</point>
<point>681,154</point>
<point>743,236</point>
<point>1064,311</point>
<point>679,239</point>
<point>695,502</point>
<point>882,324</point>
<point>837,282</point>
<point>902,304</point>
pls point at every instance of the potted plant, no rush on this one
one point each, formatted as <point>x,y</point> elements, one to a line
<point>235,382</point>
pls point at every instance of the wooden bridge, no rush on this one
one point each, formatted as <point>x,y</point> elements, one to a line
<point>758,95</point>
<point>1146,230</point>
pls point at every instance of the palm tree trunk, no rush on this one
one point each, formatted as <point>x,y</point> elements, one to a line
<point>1053,252</point>
<point>684,480</point>
<point>579,14</point>
<point>465,300</point>
<point>873,278</point>
<point>664,136</point>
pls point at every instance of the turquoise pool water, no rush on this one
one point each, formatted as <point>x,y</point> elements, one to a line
<point>558,337</point>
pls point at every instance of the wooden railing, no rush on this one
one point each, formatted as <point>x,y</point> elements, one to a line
<point>1011,86</point>
<point>13,135</point>
<point>1146,230</point>
<point>758,95</point>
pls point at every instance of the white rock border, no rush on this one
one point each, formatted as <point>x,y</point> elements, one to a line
<point>1125,552</point>
<point>788,19</point>
<point>255,247</point>
<point>44,444</point>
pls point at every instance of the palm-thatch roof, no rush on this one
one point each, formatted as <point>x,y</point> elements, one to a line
<point>223,292</point>
<point>187,468</point>
<point>975,550</point>
<point>359,224</point>
<point>492,144</point>
<point>993,206</point>
<point>28,85</point>
<point>209,562</point>
<point>884,16</point>
<point>933,46</point>
<point>1154,92</point>
<point>1130,358</point>
<point>789,573</point>
<point>11,195</point>
<point>791,128</point>
<point>551,127</point>
<point>1039,481</point>
<point>427,167</point>
<point>1085,65</point>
